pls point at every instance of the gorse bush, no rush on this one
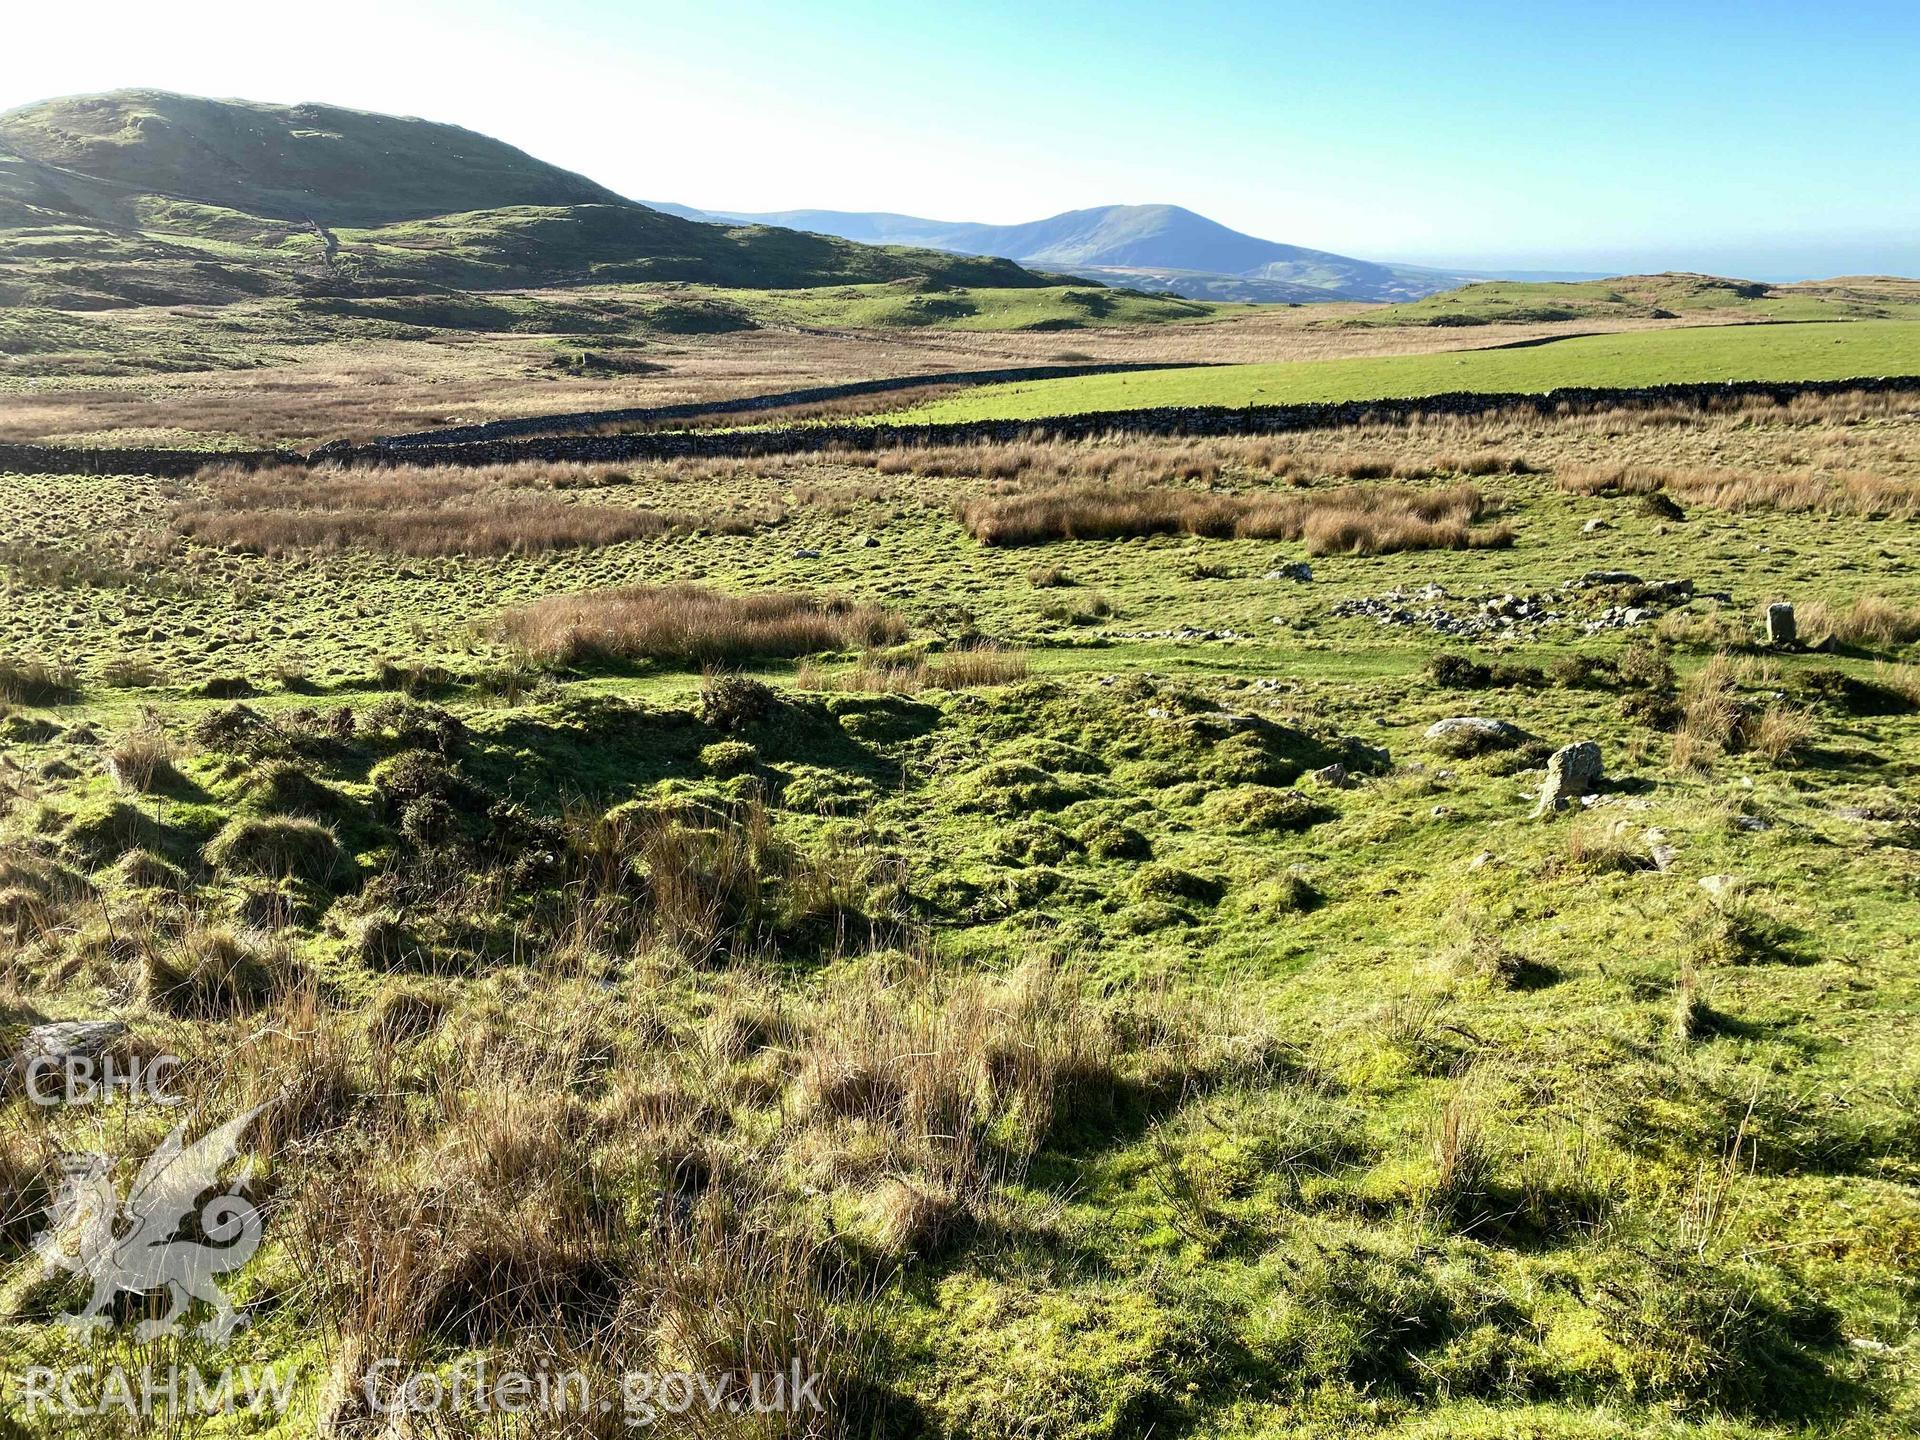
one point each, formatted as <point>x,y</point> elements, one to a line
<point>731,702</point>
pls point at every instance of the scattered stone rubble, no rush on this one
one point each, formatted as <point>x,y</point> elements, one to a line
<point>1517,616</point>
<point>1185,633</point>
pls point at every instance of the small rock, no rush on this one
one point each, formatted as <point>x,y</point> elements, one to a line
<point>71,1039</point>
<point>806,554</point>
<point>1664,857</point>
<point>866,542</point>
<point>1719,884</point>
<point>1753,824</point>
<point>1595,524</point>
<point>1482,860</point>
<point>1333,776</point>
<point>1441,812</point>
<point>1299,570</point>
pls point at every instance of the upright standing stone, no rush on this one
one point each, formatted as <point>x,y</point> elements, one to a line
<point>1780,627</point>
<point>1572,771</point>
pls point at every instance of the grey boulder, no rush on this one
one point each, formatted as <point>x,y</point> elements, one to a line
<point>1472,734</point>
<point>1572,771</point>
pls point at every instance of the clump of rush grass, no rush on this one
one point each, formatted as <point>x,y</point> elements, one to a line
<point>1719,488</point>
<point>1716,721</point>
<point>690,624</point>
<point>36,682</point>
<point>1349,520</point>
<point>1689,1009</point>
<point>1463,1164</point>
<point>421,511</point>
<point>980,665</point>
<point>1870,622</point>
<point>144,758</point>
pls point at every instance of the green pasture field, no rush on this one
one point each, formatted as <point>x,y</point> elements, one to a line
<point>1837,350</point>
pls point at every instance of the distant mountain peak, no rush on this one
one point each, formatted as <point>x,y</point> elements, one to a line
<point>1158,246</point>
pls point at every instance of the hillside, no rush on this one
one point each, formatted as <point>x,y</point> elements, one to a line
<point>145,198</point>
<point>1163,247</point>
<point>289,162</point>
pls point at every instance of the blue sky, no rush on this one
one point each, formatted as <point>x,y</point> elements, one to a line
<point>1765,139</point>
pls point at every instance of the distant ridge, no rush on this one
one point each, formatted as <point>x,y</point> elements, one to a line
<point>1162,247</point>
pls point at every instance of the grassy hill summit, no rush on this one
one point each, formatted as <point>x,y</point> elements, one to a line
<point>140,197</point>
<point>288,162</point>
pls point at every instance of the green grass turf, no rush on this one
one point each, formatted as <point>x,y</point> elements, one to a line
<point>1833,351</point>
<point>1273,1251</point>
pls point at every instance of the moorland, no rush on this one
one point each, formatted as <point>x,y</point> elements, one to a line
<point>1081,938</point>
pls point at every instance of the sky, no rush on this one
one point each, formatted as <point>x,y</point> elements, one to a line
<point>1765,139</point>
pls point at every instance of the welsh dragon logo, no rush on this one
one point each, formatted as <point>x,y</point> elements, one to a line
<point>136,1245</point>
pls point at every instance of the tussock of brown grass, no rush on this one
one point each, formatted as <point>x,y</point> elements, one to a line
<point>1780,733</point>
<point>35,682</point>
<point>690,623</point>
<point>1713,715</point>
<point>411,510</point>
<point>143,758</point>
<point>1356,520</point>
<point>1716,721</point>
<point>1871,622</point>
<point>983,665</point>
<point>1728,489</point>
<point>1124,460</point>
<point>910,674</point>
